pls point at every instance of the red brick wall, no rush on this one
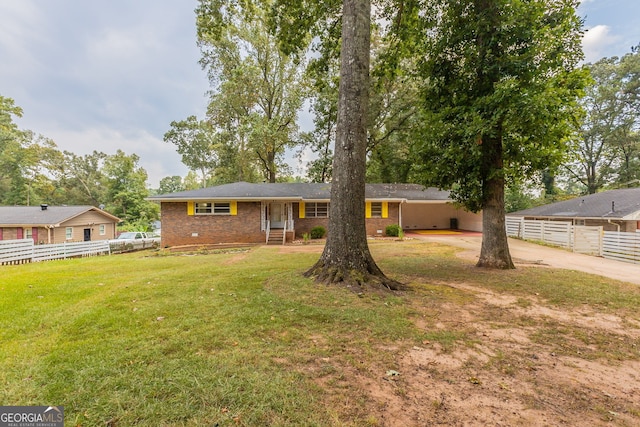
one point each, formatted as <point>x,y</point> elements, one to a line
<point>626,226</point>
<point>376,224</point>
<point>11,233</point>
<point>304,225</point>
<point>178,227</point>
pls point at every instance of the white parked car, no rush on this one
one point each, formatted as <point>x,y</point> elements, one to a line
<point>132,240</point>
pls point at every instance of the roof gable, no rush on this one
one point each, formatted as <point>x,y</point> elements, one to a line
<point>620,204</point>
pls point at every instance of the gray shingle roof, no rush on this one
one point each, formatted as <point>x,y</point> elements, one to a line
<point>36,216</point>
<point>302,191</point>
<point>621,204</point>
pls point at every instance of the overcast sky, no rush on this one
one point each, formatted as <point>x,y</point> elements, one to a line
<point>113,74</point>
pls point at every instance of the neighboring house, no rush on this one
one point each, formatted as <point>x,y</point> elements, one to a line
<point>247,213</point>
<point>614,210</point>
<point>56,224</point>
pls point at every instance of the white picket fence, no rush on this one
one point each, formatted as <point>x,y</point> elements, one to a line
<point>577,238</point>
<point>24,251</point>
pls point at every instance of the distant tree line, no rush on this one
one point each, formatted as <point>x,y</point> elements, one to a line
<point>604,151</point>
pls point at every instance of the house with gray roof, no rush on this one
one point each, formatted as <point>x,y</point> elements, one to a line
<point>245,212</point>
<point>614,210</point>
<point>56,224</point>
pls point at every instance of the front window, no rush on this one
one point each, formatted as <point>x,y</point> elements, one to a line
<point>69,233</point>
<point>103,230</point>
<point>221,208</point>
<point>316,210</point>
<point>213,208</point>
<point>376,209</point>
<point>28,233</point>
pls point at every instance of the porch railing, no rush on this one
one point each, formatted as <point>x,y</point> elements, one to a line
<point>288,226</point>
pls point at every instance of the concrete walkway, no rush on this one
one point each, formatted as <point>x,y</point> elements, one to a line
<point>525,253</point>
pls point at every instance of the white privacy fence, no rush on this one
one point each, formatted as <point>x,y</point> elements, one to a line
<point>582,239</point>
<point>24,250</point>
<point>622,246</point>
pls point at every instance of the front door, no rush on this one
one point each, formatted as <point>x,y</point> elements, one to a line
<point>87,234</point>
<point>276,215</point>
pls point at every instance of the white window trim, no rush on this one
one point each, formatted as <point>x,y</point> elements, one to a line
<point>315,210</point>
<point>213,208</point>
<point>103,229</point>
<point>68,233</point>
<point>376,214</point>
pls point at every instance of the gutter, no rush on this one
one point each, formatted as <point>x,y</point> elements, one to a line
<point>616,224</point>
<point>240,199</point>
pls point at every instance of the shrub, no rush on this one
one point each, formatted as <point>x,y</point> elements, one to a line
<point>318,232</point>
<point>393,230</point>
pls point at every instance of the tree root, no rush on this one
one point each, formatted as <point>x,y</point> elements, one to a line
<point>355,280</point>
<point>495,263</point>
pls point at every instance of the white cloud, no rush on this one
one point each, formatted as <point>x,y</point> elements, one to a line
<point>113,45</point>
<point>596,41</point>
<point>21,21</point>
<point>104,75</point>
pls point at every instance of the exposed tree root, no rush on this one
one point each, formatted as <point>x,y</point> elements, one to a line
<point>353,279</point>
<point>496,263</point>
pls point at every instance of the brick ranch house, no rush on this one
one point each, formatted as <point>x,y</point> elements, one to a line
<point>56,224</point>
<point>257,213</point>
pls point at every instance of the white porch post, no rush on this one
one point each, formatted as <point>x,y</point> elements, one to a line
<point>263,216</point>
<point>290,216</point>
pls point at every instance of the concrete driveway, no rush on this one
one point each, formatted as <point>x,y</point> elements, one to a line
<point>525,253</point>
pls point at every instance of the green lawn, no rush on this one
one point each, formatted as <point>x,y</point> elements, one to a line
<point>235,338</point>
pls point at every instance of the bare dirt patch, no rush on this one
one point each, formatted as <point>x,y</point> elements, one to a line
<point>235,259</point>
<point>299,247</point>
<point>513,361</point>
<point>505,373</point>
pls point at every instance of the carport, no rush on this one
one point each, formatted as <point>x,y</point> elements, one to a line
<point>437,215</point>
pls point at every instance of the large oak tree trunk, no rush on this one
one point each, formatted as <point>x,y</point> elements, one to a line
<point>346,257</point>
<point>494,252</point>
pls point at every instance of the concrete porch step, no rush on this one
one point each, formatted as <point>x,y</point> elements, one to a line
<point>275,237</point>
